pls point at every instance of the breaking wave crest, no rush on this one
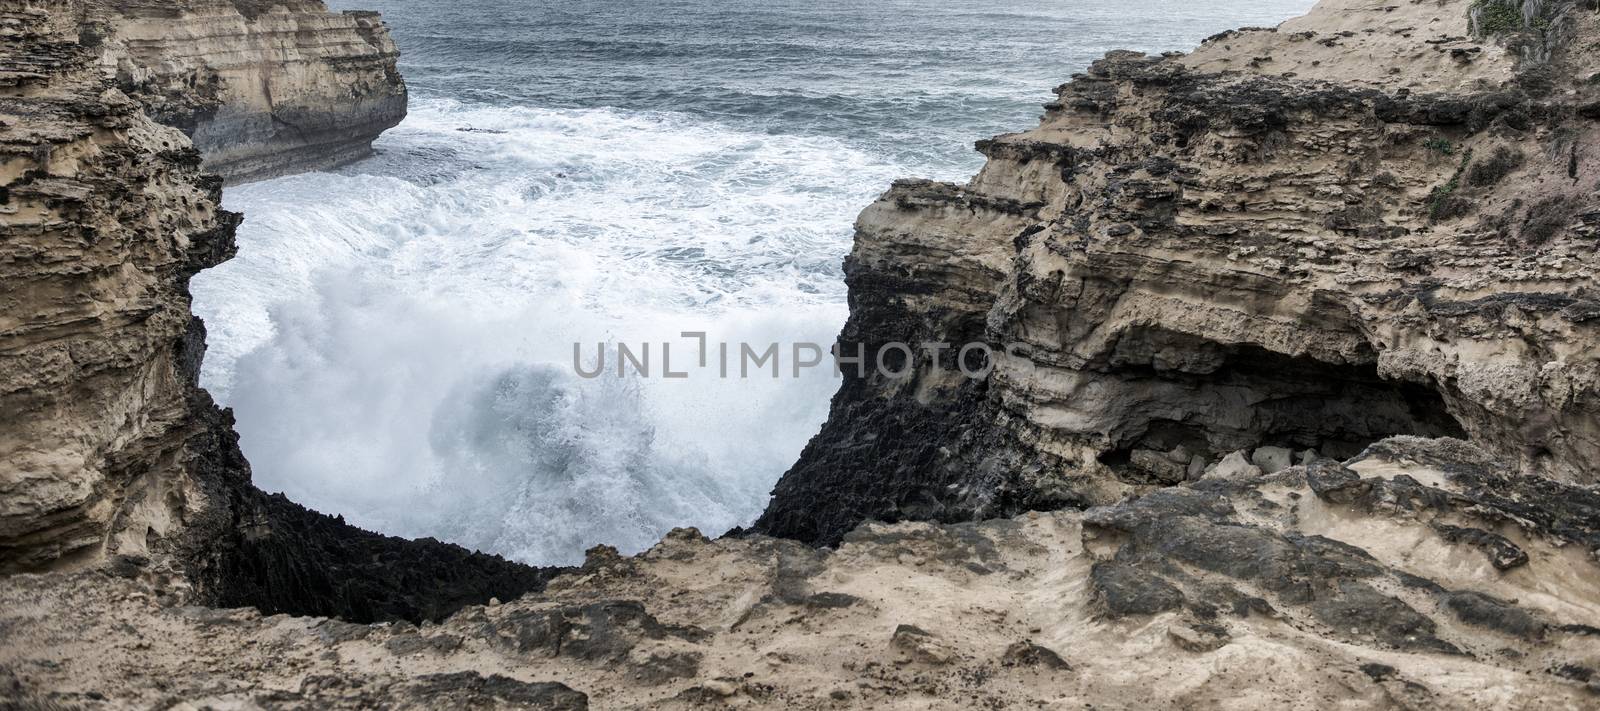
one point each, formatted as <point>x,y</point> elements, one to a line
<point>396,339</point>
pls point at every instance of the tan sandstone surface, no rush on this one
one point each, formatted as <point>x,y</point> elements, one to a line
<point>1011,613</point>
<point>263,87</point>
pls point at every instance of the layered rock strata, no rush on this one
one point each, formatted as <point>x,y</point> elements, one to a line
<point>1369,221</point>
<point>109,449</point>
<point>261,88</point>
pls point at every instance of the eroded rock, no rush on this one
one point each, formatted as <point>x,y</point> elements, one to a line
<point>1026,653</point>
<point>1198,638</point>
<point>260,93</point>
<point>912,644</point>
<point>1210,254</point>
<point>112,452</point>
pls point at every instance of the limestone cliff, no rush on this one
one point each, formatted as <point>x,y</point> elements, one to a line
<point>1370,221</point>
<point>105,217</point>
<point>263,88</point>
<point>109,449</point>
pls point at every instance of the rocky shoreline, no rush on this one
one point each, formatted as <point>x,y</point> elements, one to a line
<point>113,453</point>
<point>1305,417</point>
<point>261,88</point>
<point>1270,242</point>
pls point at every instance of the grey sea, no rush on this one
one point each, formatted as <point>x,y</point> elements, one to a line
<point>396,337</point>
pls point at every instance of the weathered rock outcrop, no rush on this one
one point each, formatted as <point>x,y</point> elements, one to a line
<point>105,217</point>
<point>109,449</point>
<point>1369,221</point>
<point>1320,586</point>
<point>263,87</point>
<point>1257,320</point>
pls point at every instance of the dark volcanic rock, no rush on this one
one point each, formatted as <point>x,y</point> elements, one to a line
<point>1478,609</point>
<point>278,556</point>
<point>1127,590</point>
<point>1334,482</point>
<point>1358,611</point>
<point>1503,554</point>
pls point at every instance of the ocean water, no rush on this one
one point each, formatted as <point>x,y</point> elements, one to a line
<point>396,337</point>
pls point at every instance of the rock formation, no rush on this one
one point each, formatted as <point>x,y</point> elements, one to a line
<point>263,87</point>
<point>110,449</point>
<point>105,219</point>
<point>1408,579</point>
<point>1369,221</point>
<point>1293,363</point>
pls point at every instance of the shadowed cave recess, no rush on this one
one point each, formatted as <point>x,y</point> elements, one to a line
<point>926,450</point>
<point>1243,398</point>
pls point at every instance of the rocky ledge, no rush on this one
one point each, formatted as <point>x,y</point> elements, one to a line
<point>262,87</point>
<point>1378,219</point>
<point>1418,575</point>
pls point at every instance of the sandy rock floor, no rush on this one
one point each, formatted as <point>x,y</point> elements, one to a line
<point>1308,588</point>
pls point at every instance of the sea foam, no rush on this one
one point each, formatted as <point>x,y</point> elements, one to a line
<point>396,338</point>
